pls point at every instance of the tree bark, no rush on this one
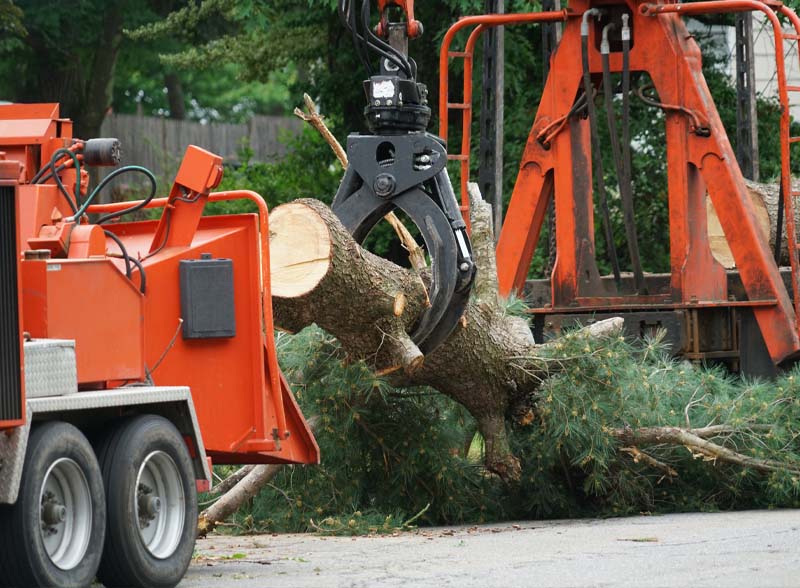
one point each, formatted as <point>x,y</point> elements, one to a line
<point>175,98</point>
<point>489,364</point>
<point>231,481</point>
<point>233,499</point>
<point>700,446</point>
<point>100,85</point>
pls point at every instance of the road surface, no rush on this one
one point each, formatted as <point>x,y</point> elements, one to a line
<point>744,549</point>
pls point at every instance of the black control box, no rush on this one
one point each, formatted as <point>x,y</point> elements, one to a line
<point>207,303</point>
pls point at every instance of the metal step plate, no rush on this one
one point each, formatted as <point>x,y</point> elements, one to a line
<point>50,368</point>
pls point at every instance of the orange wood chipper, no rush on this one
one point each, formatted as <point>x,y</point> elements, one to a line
<point>132,354</point>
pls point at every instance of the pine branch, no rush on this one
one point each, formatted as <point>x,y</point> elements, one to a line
<point>696,443</point>
<point>228,504</point>
<point>178,21</point>
<point>641,456</point>
<point>243,490</point>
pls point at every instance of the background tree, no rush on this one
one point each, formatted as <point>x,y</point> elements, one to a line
<point>69,55</point>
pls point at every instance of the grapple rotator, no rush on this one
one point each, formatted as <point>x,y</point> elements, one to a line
<point>401,166</point>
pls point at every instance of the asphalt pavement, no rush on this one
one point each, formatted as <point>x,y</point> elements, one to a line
<point>750,549</point>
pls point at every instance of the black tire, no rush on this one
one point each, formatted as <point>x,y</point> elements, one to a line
<point>58,456</point>
<point>127,458</point>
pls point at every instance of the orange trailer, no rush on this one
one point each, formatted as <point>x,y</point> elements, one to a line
<point>134,354</point>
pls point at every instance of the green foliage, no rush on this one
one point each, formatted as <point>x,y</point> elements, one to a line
<point>390,455</point>
<point>620,385</point>
<point>213,89</point>
<point>12,30</point>
<point>210,95</point>
<point>258,36</point>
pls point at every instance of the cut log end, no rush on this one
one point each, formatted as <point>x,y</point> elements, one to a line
<point>300,252</point>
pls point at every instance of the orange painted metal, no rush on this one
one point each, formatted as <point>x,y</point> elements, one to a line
<point>200,172</point>
<point>53,237</point>
<point>87,241</point>
<point>413,26</point>
<point>43,207</point>
<point>266,425</point>
<point>31,133</point>
<point>559,168</point>
<point>245,409</point>
<point>92,302</point>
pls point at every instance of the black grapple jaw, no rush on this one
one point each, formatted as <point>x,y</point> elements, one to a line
<point>407,172</point>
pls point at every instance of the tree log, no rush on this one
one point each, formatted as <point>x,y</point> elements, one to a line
<point>257,477</point>
<point>231,481</point>
<point>765,202</point>
<point>489,364</point>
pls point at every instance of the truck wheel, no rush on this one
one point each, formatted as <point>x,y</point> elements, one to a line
<point>152,504</point>
<point>53,535</point>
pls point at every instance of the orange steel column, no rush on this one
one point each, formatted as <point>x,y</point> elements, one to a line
<point>566,167</point>
<point>673,61</point>
<point>696,275</point>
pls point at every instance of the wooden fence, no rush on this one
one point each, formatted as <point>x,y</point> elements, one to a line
<point>159,143</point>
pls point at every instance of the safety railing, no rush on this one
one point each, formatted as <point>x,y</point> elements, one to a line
<point>480,24</point>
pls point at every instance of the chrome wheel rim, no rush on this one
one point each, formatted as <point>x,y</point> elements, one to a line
<point>65,513</point>
<point>160,504</point>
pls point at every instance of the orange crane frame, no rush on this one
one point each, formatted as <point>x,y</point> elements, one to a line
<point>561,171</point>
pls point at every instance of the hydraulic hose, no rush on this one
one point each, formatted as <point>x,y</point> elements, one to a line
<point>44,175</point>
<point>598,157</point>
<point>624,183</point>
<point>117,172</point>
<point>626,89</point>
<point>626,129</point>
<point>124,252</point>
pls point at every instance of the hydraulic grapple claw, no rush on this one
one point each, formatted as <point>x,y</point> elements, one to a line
<point>402,166</point>
<point>408,172</point>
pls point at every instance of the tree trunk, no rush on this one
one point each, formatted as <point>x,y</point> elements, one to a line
<point>99,87</point>
<point>489,364</point>
<point>231,481</point>
<point>765,202</point>
<point>175,98</point>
